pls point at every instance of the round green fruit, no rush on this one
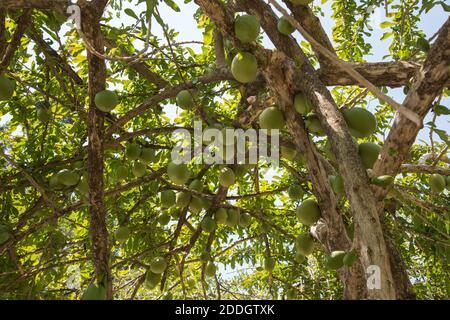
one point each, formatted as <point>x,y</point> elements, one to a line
<point>221,216</point>
<point>272,118</point>
<point>247,28</point>
<point>210,270</point>
<point>121,172</point>
<point>152,279</point>
<point>227,177</point>
<point>147,155</point>
<point>83,186</point>
<point>447,182</point>
<point>185,99</point>
<point>106,100</point>
<point>158,265</point>
<point>196,205</point>
<point>244,67</point>
<point>205,256</point>
<point>304,244</point>
<point>7,87</point>
<point>178,173</point>
<point>369,153</point>
<point>139,169</point>
<point>44,115</point>
<point>350,258</point>
<point>308,212</point>
<point>285,27</point>
<point>164,219</point>
<point>437,183</point>
<point>196,185</point>
<point>168,198</point>
<point>208,225</point>
<point>361,122</point>
<point>206,203</point>
<point>335,260</point>
<point>122,234</point>
<point>302,104</point>
<point>269,264</point>
<point>245,220</point>
<point>68,178</point>
<point>54,182</point>
<point>183,199</point>
<point>288,153</point>
<point>94,292</point>
<point>295,192</point>
<point>313,125</point>
<point>233,218</point>
<point>299,258</point>
<point>337,184</point>
<point>133,151</point>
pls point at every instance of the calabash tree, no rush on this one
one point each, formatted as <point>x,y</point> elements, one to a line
<point>94,207</point>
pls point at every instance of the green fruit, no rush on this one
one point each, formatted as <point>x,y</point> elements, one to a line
<point>183,199</point>
<point>196,185</point>
<point>185,99</point>
<point>302,104</point>
<point>44,115</point>
<point>285,27</point>
<point>288,153</point>
<point>196,205</point>
<point>139,169</point>
<point>233,218</point>
<point>152,279</point>
<point>335,260</point>
<point>383,181</point>
<point>291,294</point>
<point>247,28</point>
<point>221,216</point>
<point>147,155</point>
<point>447,182</point>
<point>350,258</point>
<point>121,172</point>
<point>168,198</point>
<point>94,292</point>
<point>299,258</point>
<point>437,183</point>
<point>68,178</point>
<point>369,153</point>
<point>7,87</point>
<point>304,244</point>
<point>210,270</point>
<point>337,184</point>
<point>244,67</point>
<point>269,263</point>
<point>313,125</point>
<point>272,118</point>
<point>308,212</point>
<point>301,2</point>
<point>122,234</point>
<point>295,192</point>
<point>245,220</point>
<point>164,219</point>
<point>208,224</point>
<point>178,173</point>
<point>191,283</point>
<point>227,177</point>
<point>54,182</point>
<point>158,265</point>
<point>206,203</point>
<point>106,100</point>
<point>361,122</point>
<point>133,151</point>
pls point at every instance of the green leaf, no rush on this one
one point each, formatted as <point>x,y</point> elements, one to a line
<point>441,110</point>
<point>131,13</point>
<point>173,5</point>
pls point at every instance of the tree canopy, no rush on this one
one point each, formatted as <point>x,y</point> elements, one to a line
<point>93,207</point>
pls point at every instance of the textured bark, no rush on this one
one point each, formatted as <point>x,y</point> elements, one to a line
<point>22,25</point>
<point>97,210</point>
<point>3,42</point>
